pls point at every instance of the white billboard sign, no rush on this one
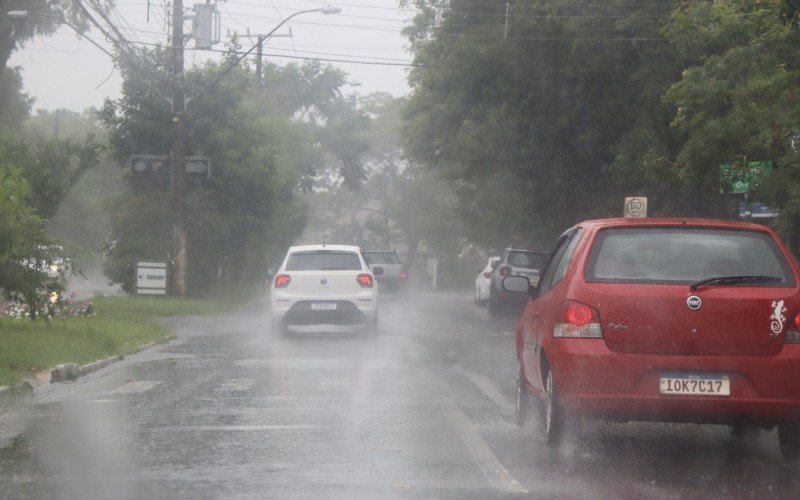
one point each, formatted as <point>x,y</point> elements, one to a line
<point>151,278</point>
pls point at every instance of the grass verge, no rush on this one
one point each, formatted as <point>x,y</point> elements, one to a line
<point>121,325</point>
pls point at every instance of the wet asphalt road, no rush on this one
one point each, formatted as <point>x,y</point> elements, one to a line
<point>425,409</point>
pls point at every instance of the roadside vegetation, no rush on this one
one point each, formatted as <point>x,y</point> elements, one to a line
<point>120,325</point>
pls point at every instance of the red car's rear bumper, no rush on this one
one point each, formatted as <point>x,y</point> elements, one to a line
<point>592,379</point>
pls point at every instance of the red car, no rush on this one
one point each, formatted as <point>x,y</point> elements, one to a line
<point>665,320</point>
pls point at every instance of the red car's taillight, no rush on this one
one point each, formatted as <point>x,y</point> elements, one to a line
<point>365,280</point>
<point>793,332</point>
<point>505,271</point>
<point>578,320</point>
<point>403,275</point>
<point>282,280</point>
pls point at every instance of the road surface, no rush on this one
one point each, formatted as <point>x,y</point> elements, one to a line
<point>425,409</point>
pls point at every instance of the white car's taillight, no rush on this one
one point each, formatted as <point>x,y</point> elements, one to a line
<point>282,280</point>
<point>578,321</point>
<point>365,280</point>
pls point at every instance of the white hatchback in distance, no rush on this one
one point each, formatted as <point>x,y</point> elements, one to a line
<point>324,285</point>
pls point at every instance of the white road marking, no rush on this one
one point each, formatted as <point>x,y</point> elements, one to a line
<point>340,382</point>
<point>473,441</point>
<point>136,387</point>
<point>481,452</point>
<point>488,388</point>
<point>236,428</point>
<point>236,385</point>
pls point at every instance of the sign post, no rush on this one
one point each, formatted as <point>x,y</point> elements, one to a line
<point>635,207</point>
<point>151,278</point>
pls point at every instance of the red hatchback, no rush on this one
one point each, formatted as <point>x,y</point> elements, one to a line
<point>665,320</point>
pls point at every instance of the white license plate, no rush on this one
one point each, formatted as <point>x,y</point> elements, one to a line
<point>323,306</point>
<point>695,384</point>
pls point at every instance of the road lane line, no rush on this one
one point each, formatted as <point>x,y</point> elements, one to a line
<point>136,387</point>
<point>487,388</point>
<point>236,428</point>
<point>473,441</point>
<point>481,452</point>
<point>236,385</point>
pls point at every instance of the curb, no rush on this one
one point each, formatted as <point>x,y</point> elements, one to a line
<point>71,371</point>
<point>11,390</point>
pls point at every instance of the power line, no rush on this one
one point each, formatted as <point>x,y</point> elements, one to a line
<point>411,64</point>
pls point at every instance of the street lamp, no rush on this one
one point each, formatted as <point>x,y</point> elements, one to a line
<point>327,10</point>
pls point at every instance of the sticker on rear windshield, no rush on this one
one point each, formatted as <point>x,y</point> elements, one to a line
<point>777,318</point>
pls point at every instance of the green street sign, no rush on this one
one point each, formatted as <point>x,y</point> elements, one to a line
<point>741,182</point>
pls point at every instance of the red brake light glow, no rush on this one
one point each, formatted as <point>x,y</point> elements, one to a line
<point>578,320</point>
<point>282,280</point>
<point>365,280</point>
<point>579,315</point>
<point>793,334</point>
<point>505,271</point>
<point>403,275</point>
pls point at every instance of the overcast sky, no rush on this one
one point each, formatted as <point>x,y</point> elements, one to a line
<point>64,71</point>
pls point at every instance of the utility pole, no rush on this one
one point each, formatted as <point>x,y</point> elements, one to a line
<point>505,28</point>
<point>178,259</point>
<point>259,55</point>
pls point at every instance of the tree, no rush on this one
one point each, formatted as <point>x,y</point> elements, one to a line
<point>14,105</point>
<point>34,179</point>
<point>398,204</point>
<point>263,146</point>
<point>736,100</point>
<point>13,190</point>
<point>522,110</point>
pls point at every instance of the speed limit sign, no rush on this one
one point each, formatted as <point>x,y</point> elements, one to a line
<point>635,207</point>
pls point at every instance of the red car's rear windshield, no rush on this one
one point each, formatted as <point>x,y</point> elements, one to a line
<point>323,260</point>
<point>684,255</point>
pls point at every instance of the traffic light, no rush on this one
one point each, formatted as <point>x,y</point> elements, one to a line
<point>148,164</point>
<point>157,164</point>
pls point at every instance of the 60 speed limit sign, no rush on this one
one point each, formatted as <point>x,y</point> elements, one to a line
<point>635,207</point>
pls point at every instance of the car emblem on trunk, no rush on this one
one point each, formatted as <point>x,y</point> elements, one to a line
<point>324,281</point>
<point>694,302</point>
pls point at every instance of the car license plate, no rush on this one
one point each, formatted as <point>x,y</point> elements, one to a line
<point>695,384</point>
<point>323,306</point>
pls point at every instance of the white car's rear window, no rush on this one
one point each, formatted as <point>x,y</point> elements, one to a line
<point>677,255</point>
<point>324,260</point>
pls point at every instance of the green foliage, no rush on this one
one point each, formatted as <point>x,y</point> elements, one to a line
<point>399,205</point>
<point>263,145</point>
<point>14,105</point>
<point>13,190</point>
<point>35,179</point>
<point>120,326</point>
<point>522,117</point>
<point>734,102</point>
<point>25,276</point>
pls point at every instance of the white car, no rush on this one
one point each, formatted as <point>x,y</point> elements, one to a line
<point>484,280</point>
<point>324,285</point>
